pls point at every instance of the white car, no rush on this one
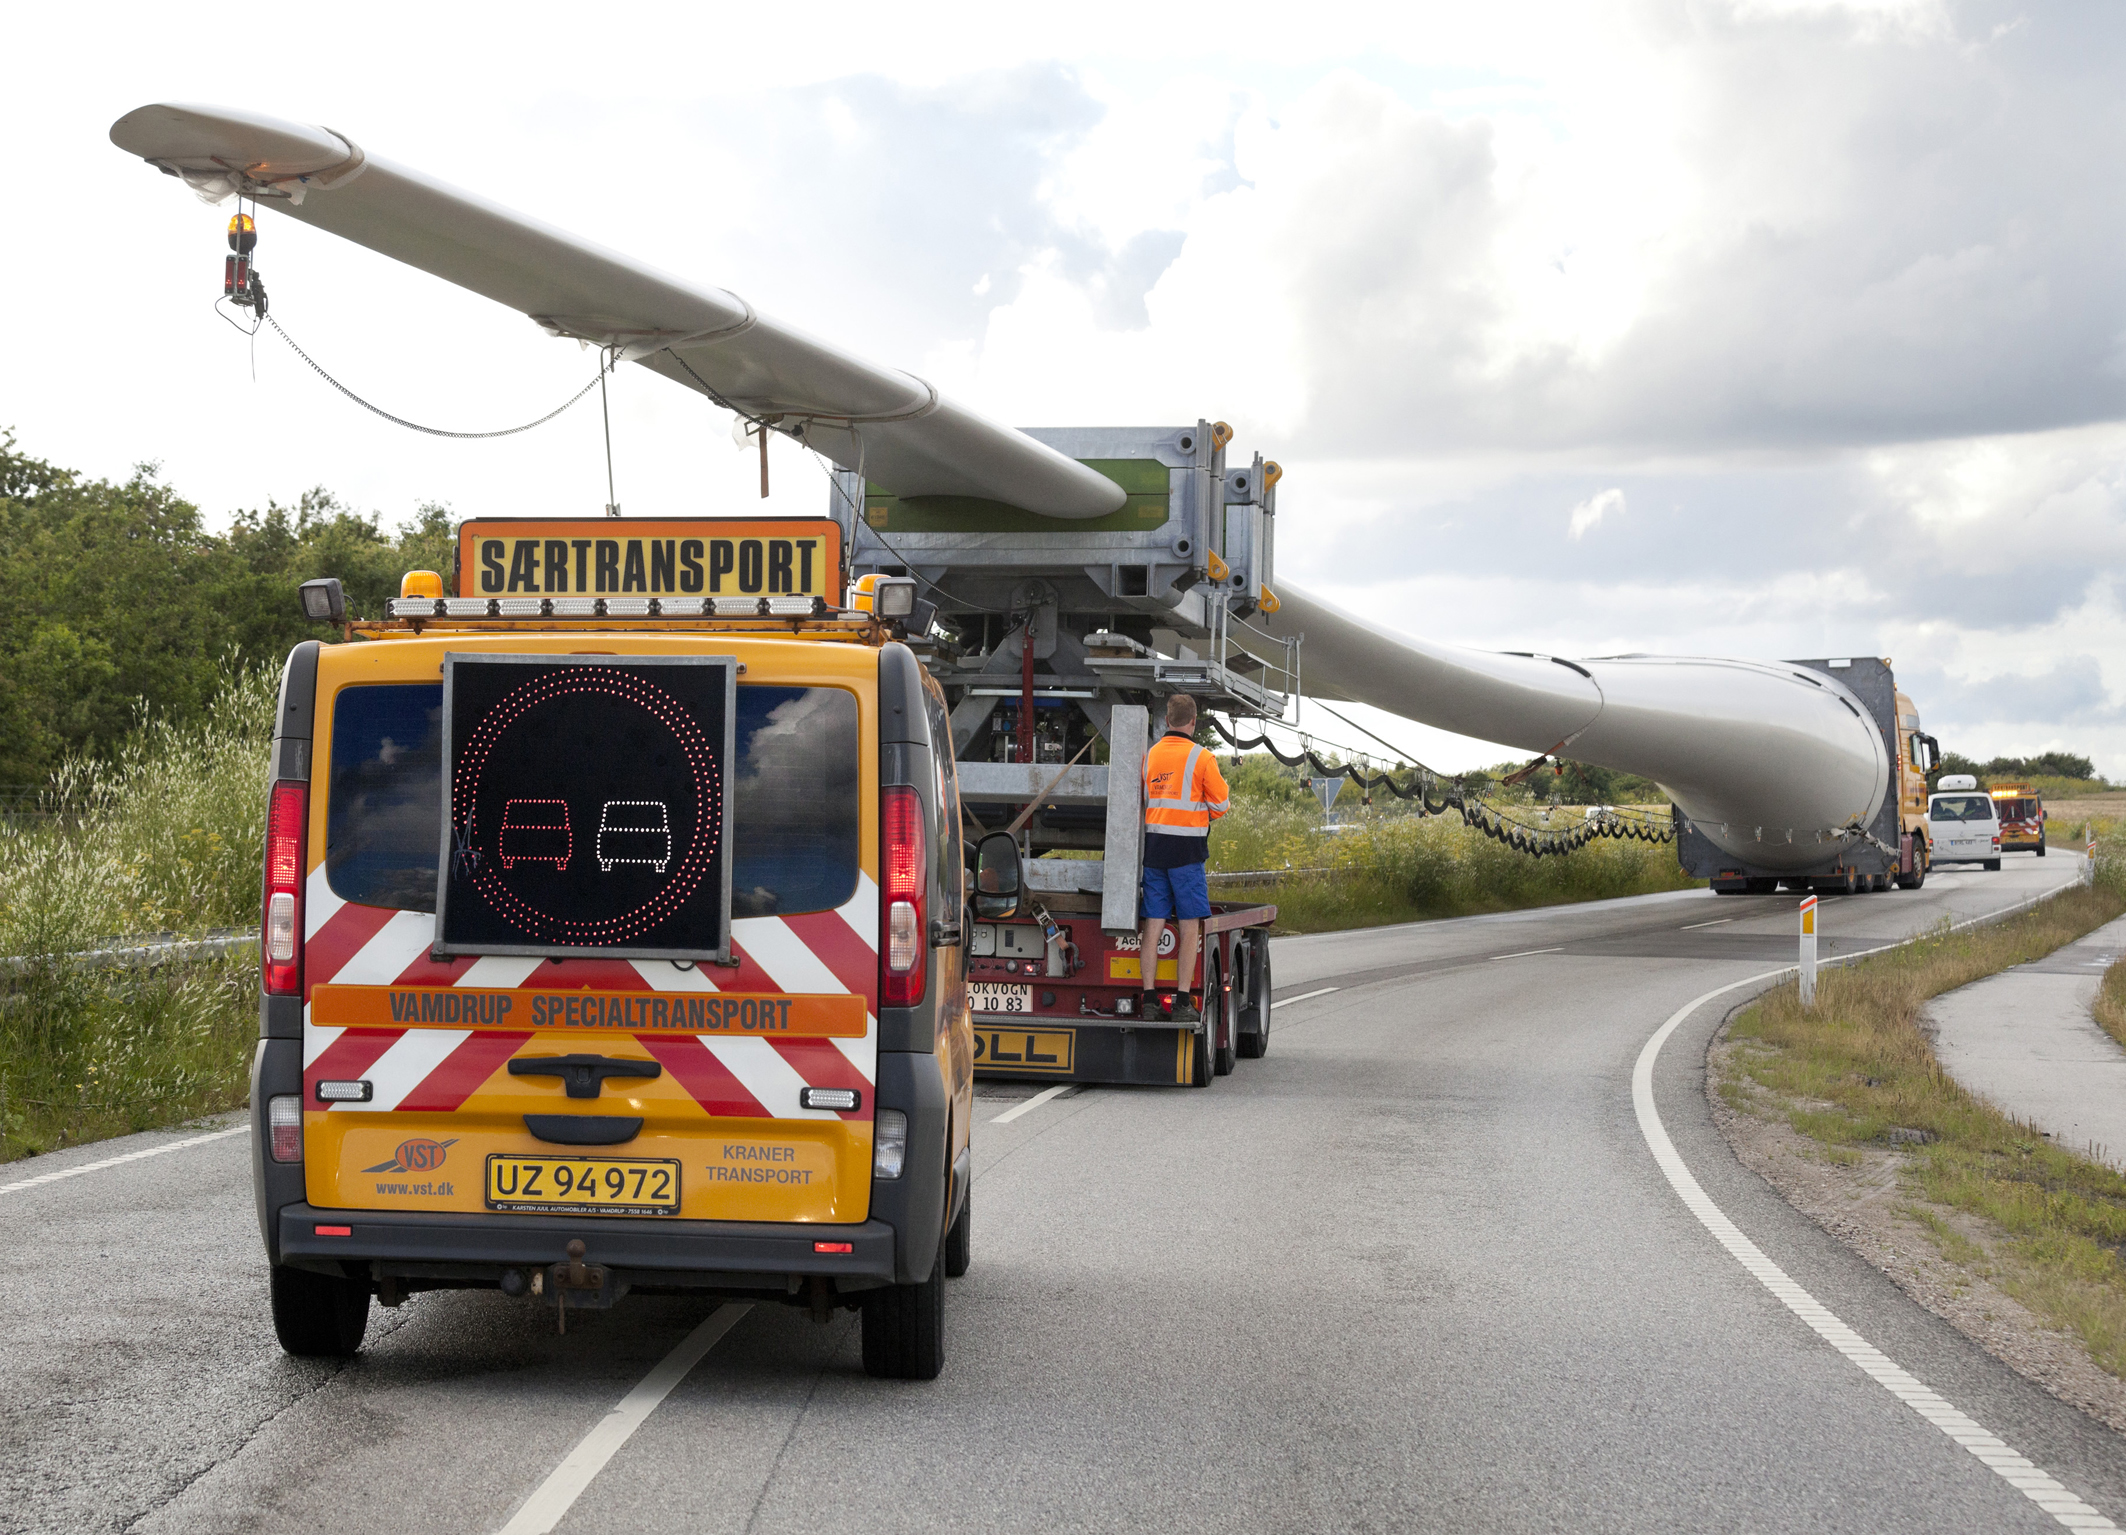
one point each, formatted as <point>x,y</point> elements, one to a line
<point>1963,824</point>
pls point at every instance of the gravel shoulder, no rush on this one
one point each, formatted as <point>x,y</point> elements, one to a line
<point>1865,1201</point>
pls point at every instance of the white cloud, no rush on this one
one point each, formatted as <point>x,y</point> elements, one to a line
<point>1820,291</point>
<point>1589,513</point>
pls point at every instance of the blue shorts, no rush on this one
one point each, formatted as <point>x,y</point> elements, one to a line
<point>1182,893</point>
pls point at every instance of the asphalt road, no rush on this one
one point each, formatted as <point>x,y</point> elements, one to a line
<point>1418,1269</point>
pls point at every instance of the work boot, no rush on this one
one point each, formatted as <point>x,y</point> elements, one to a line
<point>1151,1009</point>
<point>1184,1010</point>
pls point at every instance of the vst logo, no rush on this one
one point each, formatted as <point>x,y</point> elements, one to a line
<point>415,1156</point>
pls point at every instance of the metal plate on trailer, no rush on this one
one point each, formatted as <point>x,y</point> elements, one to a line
<point>1012,1049</point>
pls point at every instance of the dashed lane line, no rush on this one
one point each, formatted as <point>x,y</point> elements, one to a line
<point>1991,1451</point>
<point>1045,1095</point>
<point>1692,927</point>
<point>558,1493</point>
<point>1524,953</point>
<point>132,1156</point>
<point>1305,996</point>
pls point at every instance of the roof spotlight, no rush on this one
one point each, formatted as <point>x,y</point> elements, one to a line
<point>893,597</point>
<point>323,601</point>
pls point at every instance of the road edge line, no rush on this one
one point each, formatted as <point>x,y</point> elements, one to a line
<point>132,1156</point>
<point>551,1500</point>
<point>2017,1470</point>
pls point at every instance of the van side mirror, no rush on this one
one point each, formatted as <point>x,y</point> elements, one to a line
<point>996,877</point>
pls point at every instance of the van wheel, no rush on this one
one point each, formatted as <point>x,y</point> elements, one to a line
<point>904,1326</point>
<point>319,1316</point>
<point>1252,1043</point>
<point>1992,866</point>
<point>959,1240</point>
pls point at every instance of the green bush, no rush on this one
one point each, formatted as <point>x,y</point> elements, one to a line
<point>163,837</point>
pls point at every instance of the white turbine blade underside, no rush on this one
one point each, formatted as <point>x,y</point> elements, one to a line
<point>891,424</point>
<point>1764,757</point>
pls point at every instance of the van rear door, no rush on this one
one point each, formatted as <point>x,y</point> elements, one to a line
<point>543,1083</point>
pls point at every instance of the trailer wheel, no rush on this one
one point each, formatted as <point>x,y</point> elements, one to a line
<point>1228,1014</point>
<point>1203,1065</point>
<point>1252,1043</point>
<point>2041,850</point>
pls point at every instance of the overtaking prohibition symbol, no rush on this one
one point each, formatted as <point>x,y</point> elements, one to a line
<point>586,806</point>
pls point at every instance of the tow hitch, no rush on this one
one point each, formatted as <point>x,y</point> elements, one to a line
<point>585,1286</point>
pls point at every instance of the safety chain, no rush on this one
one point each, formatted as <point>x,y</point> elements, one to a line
<point>1465,797</point>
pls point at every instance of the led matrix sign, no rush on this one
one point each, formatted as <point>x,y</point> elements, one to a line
<point>586,806</point>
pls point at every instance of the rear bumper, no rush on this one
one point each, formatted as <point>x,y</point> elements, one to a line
<point>477,1249</point>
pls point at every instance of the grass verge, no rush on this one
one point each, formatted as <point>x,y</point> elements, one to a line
<point>1402,867</point>
<point>166,838</point>
<point>2110,1008</point>
<point>1857,1070</point>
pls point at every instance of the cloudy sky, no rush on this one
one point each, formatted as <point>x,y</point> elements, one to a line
<point>1753,329</point>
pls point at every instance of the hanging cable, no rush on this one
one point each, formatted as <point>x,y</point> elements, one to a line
<point>436,431</point>
<point>605,414</point>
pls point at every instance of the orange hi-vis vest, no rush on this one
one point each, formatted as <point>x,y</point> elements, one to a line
<point>1183,789</point>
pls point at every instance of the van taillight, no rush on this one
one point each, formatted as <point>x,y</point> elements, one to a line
<point>281,944</point>
<point>901,892</point>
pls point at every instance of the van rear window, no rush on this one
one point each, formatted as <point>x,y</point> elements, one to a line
<point>795,798</point>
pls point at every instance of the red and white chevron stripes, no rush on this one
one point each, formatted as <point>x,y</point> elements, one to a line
<point>436,1069</point>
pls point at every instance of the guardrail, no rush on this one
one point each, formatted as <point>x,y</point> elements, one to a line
<point>1259,877</point>
<point>140,953</point>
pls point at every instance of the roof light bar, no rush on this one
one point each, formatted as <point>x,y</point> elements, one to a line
<point>423,607</point>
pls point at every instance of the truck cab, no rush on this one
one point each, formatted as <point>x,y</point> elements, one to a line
<point>612,943</point>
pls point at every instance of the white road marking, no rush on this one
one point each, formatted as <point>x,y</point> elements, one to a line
<point>558,1493</point>
<point>131,1156</point>
<point>1302,997</point>
<point>2017,1471</point>
<point>1693,926</point>
<point>1524,953</point>
<point>1039,1098</point>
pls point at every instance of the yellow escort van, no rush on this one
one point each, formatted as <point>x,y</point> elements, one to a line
<point>612,941</point>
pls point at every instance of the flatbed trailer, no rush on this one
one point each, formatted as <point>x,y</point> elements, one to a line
<point>1056,644</point>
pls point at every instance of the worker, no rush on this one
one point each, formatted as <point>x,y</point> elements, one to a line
<point>1183,793</point>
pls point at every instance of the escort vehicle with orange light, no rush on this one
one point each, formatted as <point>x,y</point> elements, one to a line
<point>612,941</point>
<point>2021,811</point>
